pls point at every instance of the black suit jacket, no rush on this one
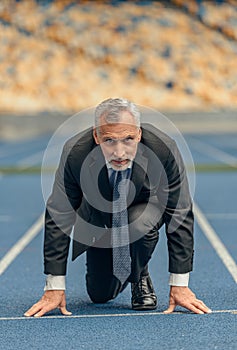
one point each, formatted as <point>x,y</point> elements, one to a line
<point>82,198</point>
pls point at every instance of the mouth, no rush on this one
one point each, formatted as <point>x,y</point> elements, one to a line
<point>119,163</point>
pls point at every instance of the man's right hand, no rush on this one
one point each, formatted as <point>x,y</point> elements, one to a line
<point>51,300</point>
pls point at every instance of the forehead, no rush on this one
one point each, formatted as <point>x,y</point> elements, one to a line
<point>125,126</point>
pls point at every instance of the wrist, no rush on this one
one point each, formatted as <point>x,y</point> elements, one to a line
<point>55,283</point>
<point>179,279</point>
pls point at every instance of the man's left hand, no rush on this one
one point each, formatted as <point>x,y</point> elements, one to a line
<point>183,296</point>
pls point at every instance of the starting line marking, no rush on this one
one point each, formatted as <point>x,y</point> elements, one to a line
<point>234,312</point>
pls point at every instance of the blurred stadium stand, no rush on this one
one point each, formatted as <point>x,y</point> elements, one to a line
<point>67,55</point>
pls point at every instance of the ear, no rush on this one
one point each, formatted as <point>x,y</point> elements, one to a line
<point>139,135</point>
<point>95,136</point>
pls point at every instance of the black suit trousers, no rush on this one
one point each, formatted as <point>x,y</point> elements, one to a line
<point>101,284</point>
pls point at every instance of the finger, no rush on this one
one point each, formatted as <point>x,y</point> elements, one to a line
<point>46,308</point>
<point>201,306</point>
<point>33,310</point>
<point>64,311</point>
<point>62,307</point>
<point>51,307</point>
<point>193,308</point>
<point>170,309</point>
<point>40,313</point>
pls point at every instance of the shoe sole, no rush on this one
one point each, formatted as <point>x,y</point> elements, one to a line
<point>144,308</point>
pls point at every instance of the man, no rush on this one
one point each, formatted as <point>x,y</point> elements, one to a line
<point>117,184</point>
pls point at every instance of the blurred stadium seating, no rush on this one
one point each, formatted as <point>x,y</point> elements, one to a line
<point>66,55</point>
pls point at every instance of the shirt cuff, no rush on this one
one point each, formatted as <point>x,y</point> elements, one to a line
<point>55,283</point>
<point>179,279</point>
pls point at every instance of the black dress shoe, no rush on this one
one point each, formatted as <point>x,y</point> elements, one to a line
<point>143,295</point>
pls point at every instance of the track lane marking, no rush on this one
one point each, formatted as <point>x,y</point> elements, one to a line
<point>200,217</point>
<point>114,315</point>
<point>31,233</point>
<point>21,163</point>
<point>29,161</point>
<point>222,216</point>
<point>13,152</point>
<point>20,245</point>
<point>215,241</point>
<point>214,152</point>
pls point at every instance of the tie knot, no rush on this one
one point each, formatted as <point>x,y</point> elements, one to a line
<point>117,176</point>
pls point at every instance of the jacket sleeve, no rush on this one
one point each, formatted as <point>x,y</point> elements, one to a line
<point>60,217</point>
<point>178,214</point>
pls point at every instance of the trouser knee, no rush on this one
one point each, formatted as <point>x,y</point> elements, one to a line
<point>102,290</point>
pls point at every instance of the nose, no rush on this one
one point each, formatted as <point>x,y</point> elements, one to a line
<point>119,150</point>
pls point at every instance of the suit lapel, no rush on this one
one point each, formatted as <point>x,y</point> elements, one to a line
<point>139,171</point>
<point>100,187</point>
<point>99,174</point>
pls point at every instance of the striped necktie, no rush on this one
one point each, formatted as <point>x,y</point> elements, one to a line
<point>120,232</point>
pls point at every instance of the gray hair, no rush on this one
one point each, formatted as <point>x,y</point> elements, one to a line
<point>111,108</point>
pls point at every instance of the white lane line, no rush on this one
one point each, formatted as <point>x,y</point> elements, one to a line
<point>5,218</point>
<point>216,242</point>
<point>222,216</point>
<point>21,244</point>
<point>214,152</point>
<point>13,152</point>
<point>22,164</point>
<point>31,160</point>
<point>234,312</point>
<point>16,149</point>
<point>33,230</point>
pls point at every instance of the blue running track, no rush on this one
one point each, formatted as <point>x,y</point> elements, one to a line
<point>114,325</point>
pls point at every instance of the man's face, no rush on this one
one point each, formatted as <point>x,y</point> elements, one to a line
<point>118,141</point>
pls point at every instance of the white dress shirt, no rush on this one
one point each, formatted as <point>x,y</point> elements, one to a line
<point>59,282</point>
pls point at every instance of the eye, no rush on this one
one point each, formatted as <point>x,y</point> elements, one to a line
<point>108,141</point>
<point>129,139</point>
